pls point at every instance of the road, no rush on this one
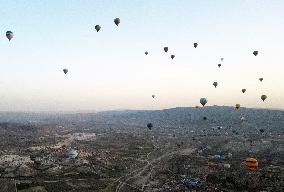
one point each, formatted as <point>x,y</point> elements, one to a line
<point>150,163</point>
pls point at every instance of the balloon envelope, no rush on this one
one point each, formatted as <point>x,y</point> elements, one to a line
<point>117,21</point>
<point>238,106</point>
<point>251,163</point>
<point>263,97</point>
<point>166,49</point>
<point>150,125</point>
<point>65,71</point>
<point>97,27</point>
<point>9,35</point>
<point>203,101</point>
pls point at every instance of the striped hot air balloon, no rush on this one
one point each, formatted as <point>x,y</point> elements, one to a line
<point>251,163</point>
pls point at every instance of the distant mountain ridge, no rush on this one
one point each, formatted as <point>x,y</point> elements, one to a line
<point>174,117</point>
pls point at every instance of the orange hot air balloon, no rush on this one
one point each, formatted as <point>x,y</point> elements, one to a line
<point>251,163</point>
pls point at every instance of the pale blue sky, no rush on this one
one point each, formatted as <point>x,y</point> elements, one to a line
<point>108,70</point>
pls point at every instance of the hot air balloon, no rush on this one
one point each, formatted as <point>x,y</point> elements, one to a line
<point>222,59</point>
<point>172,56</point>
<point>255,53</point>
<point>203,101</point>
<point>150,125</point>
<point>9,35</point>
<point>204,118</point>
<point>261,130</point>
<point>215,84</point>
<point>263,97</point>
<point>153,96</point>
<point>166,49</point>
<point>243,90</point>
<point>117,21</point>
<point>195,45</point>
<point>65,71</point>
<point>261,79</point>
<point>146,53</point>
<point>238,106</point>
<point>219,65</point>
<point>251,163</point>
<point>97,27</point>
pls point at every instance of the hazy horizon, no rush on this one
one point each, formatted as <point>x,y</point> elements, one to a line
<point>108,70</point>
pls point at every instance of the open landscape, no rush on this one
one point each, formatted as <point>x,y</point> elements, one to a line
<point>117,152</point>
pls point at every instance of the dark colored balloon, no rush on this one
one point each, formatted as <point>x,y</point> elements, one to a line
<point>255,53</point>
<point>97,27</point>
<point>65,71</point>
<point>150,125</point>
<point>172,56</point>
<point>9,35</point>
<point>166,49</point>
<point>263,97</point>
<point>195,45</point>
<point>117,21</point>
<point>203,101</point>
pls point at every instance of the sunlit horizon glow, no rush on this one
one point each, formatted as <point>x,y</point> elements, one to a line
<point>108,70</point>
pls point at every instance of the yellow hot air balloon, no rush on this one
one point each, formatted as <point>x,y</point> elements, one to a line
<point>238,106</point>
